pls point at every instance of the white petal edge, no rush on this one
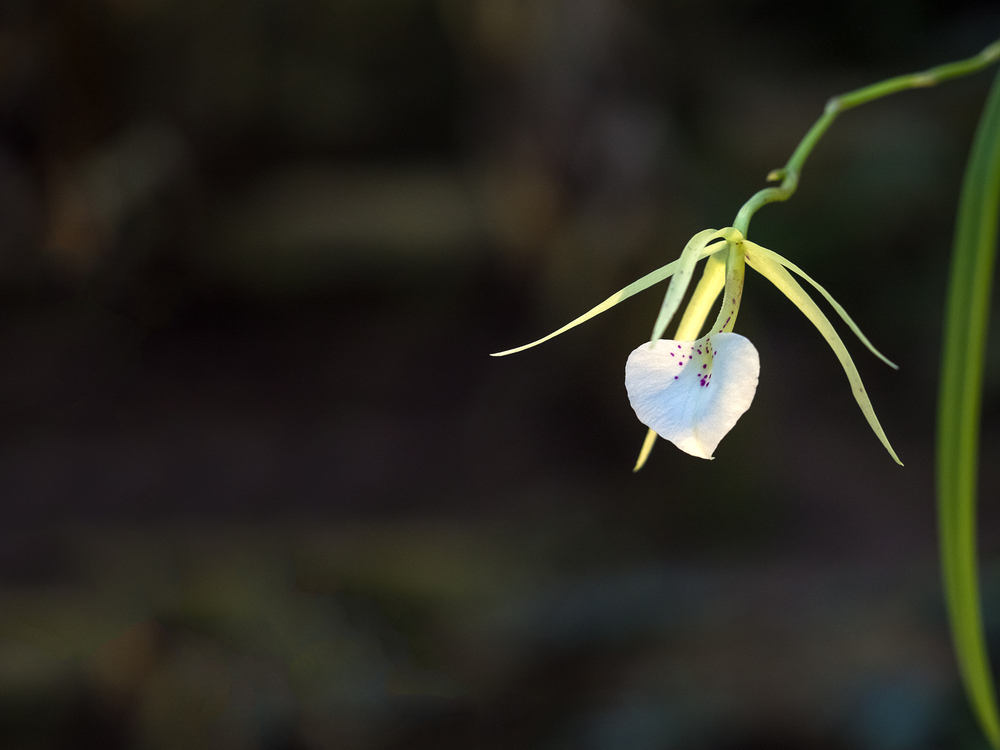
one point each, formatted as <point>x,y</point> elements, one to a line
<point>693,392</point>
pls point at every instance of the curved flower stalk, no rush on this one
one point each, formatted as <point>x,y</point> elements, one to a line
<point>691,391</point>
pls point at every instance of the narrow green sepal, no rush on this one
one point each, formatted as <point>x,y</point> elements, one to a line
<point>655,277</point>
<point>777,275</point>
<point>763,251</point>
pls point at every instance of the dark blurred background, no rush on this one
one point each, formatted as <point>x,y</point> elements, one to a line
<point>261,486</point>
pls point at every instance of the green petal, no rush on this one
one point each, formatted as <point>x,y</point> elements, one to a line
<point>778,276</point>
<point>763,251</point>
<point>693,252</point>
<point>967,314</point>
<point>635,287</point>
<point>682,277</point>
<point>713,279</point>
<point>647,447</point>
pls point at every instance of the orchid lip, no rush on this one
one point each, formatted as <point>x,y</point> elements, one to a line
<point>693,392</point>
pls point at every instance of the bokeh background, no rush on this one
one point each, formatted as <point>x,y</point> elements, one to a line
<point>261,486</point>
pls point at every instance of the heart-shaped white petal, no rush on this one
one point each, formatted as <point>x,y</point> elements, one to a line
<point>693,392</point>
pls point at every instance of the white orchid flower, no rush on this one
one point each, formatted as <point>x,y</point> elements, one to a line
<point>691,391</point>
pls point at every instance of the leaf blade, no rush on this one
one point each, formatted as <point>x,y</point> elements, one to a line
<point>959,404</point>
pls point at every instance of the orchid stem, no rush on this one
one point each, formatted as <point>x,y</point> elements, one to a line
<point>789,174</point>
